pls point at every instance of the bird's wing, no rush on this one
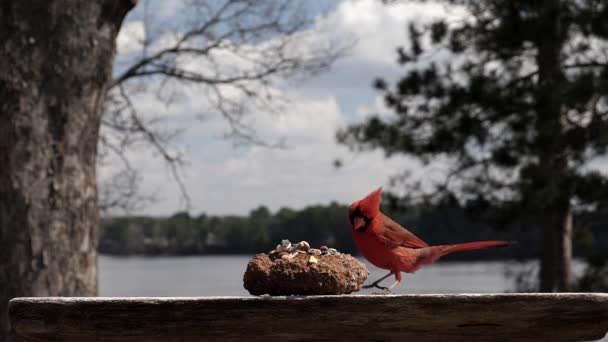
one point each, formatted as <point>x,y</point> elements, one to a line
<point>394,235</point>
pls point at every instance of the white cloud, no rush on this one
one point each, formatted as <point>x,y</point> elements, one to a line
<point>130,38</point>
<point>381,28</point>
<point>302,174</point>
<point>221,179</point>
<point>378,107</point>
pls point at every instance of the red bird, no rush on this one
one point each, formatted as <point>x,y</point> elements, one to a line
<point>388,245</point>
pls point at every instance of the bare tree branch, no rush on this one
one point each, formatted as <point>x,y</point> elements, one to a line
<point>237,52</point>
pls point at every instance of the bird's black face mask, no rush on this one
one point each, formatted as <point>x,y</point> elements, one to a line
<point>359,222</point>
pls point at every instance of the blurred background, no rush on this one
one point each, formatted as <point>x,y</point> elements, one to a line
<point>231,125</point>
<point>151,148</point>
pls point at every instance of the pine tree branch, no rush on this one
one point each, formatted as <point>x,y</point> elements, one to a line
<point>586,65</point>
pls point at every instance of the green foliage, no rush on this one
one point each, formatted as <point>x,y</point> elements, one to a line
<point>261,230</point>
<point>520,104</point>
<point>517,101</point>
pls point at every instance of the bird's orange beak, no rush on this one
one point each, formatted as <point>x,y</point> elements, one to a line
<point>358,223</point>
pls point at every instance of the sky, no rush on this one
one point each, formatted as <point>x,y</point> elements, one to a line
<point>222,178</point>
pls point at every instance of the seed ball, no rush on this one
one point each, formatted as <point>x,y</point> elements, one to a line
<point>323,248</point>
<point>304,246</point>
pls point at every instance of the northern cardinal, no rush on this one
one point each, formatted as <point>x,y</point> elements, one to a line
<point>388,245</point>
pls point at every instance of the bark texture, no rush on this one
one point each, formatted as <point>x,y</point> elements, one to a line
<point>449,317</point>
<point>555,269</point>
<point>564,251</point>
<point>556,261</point>
<point>56,60</point>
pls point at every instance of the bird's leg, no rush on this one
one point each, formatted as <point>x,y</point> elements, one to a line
<point>388,290</point>
<point>375,284</point>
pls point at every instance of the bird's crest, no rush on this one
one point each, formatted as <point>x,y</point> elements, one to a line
<point>370,204</point>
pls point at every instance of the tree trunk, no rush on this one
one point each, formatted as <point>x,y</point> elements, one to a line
<point>555,207</point>
<point>564,251</point>
<point>556,273</point>
<point>547,260</point>
<point>55,65</point>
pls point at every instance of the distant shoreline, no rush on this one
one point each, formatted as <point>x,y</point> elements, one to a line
<point>185,235</point>
<point>446,259</point>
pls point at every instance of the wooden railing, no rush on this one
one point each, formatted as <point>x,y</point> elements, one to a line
<point>458,317</point>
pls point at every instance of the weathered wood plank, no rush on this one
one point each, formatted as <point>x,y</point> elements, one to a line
<point>458,317</point>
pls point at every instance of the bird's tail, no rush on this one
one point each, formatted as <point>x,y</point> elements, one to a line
<point>446,249</point>
<point>428,255</point>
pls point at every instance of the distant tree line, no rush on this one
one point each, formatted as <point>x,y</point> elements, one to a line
<point>261,230</point>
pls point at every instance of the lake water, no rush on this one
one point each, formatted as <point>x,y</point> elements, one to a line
<point>223,276</point>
